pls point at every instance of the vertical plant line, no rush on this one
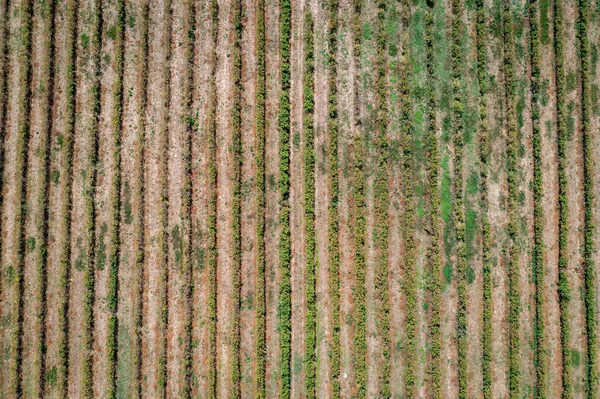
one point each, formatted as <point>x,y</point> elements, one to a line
<point>459,212</point>
<point>139,230</point>
<point>592,372</point>
<point>380,236</point>
<point>212,204</point>
<point>261,304</point>
<point>66,191</point>
<point>283,124</point>
<point>237,201</point>
<point>486,234</point>
<point>22,147</point>
<point>433,251</point>
<point>310,342</point>
<point>186,194</point>
<point>42,200</point>
<point>360,322</point>
<point>333,238</point>
<point>112,297</point>
<point>90,210</point>
<point>540,361</point>
<point>409,216</point>
<point>564,289</point>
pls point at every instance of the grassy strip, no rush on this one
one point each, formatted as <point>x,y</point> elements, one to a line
<point>261,304</point>
<point>409,217</point>
<point>433,251</point>
<point>380,235</point>
<point>112,296</point>
<point>360,316</point>
<point>22,145</point>
<point>212,205</point>
<point>89,194</point>
<point>309,209</point>
<point>459,212</point>
<point>138,194</point>
<point>41,256</point>
<point>564,289</point>
<point>237,196</point>
<point>65,194</point>
<point>513,253</point>
<point>588,197</point>
<point>285,253</point>
<point>5,72</point>
<point>537,260</point>
<point>334,252</point>
<point>484,153</point>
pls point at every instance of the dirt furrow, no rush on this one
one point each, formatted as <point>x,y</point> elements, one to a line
<point>129,313</point>
<point>155,316</point>
<point>250,190</point>
<point>35,229</point>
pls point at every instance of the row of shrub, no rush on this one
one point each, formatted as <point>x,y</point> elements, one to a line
<point>261,304</point>
<point>112,296</point>
<point>433,251</point>
<point>333,237</point>
<point>564,290</point>
<point>484,153</point>
<point>459,212</point>
<point>537,259</point>
<point>22,146</point>
<point>360,309</point>
<point>285,253</point>
<point>513,252</point>
<point>310,339</point>
<point>593,376</point>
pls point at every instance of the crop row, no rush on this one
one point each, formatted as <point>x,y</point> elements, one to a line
<point>309,209</point>
<point>459,213</point>
<point>564,290</point>
<point>593,376</point>
<point>283,124</point>
<point>261,305</point>
<point>538,210</point>
<point>433,251</point>
<point>333,238</point>
<point>360,343</point>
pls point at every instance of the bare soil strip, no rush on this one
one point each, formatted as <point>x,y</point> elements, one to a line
<point>345,73</point>
<point>129,313</point>
<point>155,300</point>
<point>37,188</point>
<point>272,226</point>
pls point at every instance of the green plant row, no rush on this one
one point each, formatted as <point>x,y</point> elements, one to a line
<point>513,193</point>
<point>382,201</point>
<point>89,197</point>
<point>236,205</point>
<point>65,193</point>
<point>459,212</point>
<point>593,376</point>
<point>22,146</point>
<point>433,251</point>
<point>211,239</point>
<point>484,153</point>
<point>537,260</point>
<point>112,296</point>
<point>138,195</point>
<point>261,304</point>
<point>564,290</point>
<point>333,238</point>
<point>285,253</point>
<point>310,339</point>
<point>360,306</point>
<point>409,217</point>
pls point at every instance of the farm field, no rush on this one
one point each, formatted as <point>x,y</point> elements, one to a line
<point>299,199</point>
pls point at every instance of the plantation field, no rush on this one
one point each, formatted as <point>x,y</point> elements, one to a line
<point>299,199</point>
